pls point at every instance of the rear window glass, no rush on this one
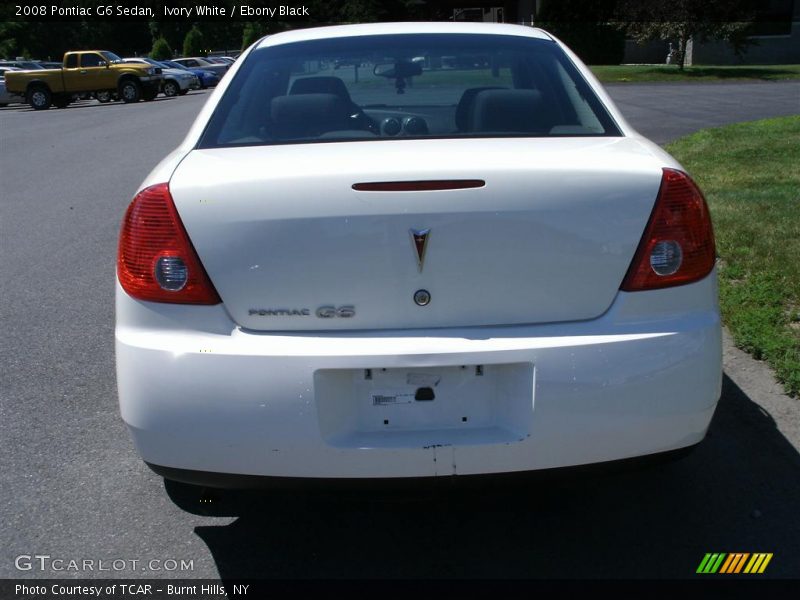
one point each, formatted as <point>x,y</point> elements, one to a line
<point>406,86</point>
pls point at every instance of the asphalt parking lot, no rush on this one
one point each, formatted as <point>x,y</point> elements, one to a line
<point>73,487</point>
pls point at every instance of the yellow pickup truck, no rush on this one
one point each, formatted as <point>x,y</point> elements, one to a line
<point>85,71</point>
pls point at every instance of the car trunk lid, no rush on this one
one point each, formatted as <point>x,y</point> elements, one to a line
<point>547,236</point>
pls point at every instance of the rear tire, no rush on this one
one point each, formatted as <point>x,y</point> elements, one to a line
<point>104,96</point>
<point>171,89</point>
<point>130,91</point>
<point>40,98</point>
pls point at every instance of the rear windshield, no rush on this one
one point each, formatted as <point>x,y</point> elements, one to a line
<point>406,86</point>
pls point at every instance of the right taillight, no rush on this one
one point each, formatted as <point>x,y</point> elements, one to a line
<point>156,260</point>
<point>678,244</point>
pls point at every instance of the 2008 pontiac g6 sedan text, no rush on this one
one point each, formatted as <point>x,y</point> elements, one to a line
<point>413,250</point>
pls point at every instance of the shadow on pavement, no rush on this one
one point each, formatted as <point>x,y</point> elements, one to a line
<point>24,108</point>
<point>738,491</point>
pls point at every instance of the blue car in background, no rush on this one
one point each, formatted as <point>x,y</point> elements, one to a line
<point>207,78</point>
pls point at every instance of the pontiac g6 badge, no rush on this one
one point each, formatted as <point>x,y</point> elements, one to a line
<point>323,312</point>
<point>419,241</point>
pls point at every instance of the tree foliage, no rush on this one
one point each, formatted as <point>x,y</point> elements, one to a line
<point>584,25</point>
<point>251,33</point>
<point>48,40</point>
<point>193,43</point>
<point>161,50</point>
<point>682,20</point>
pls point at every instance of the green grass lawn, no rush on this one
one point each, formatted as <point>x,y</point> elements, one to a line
<point>750,174</point>
<point>642,73</point>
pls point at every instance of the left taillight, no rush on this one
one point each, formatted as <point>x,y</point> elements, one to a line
<point>156,260</point>
<point>678,243</point>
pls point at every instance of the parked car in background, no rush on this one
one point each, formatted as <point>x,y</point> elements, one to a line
<point>175,81</point>
<point>218,60</point>
<point>364,278</point>
<point>7,98</point>
<point>206,78</point>
<point>49,65</point>
<point>105,96</point>
<point>26,65</point>
<point>86,72</point>
<point>201,63</point>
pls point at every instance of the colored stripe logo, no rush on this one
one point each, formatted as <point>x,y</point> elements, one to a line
<point>734,562</point>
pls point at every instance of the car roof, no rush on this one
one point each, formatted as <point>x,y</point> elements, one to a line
<point>317,33</point>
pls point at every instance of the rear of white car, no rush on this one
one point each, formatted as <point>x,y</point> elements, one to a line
<point>462,264</point>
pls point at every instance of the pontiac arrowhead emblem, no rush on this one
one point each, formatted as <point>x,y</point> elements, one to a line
<point>419,241</point>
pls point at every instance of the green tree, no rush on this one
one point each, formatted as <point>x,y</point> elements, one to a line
<point>584,26</point>
<point>684,20</point>
<point>161,50</point>
<point>252,32</point>
<point>193,43</point>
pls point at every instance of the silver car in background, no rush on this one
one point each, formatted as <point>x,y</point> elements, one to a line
<point>176,81</point>
<point>196,62</point>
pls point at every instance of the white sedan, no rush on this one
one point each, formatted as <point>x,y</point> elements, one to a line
<point>404,268</point>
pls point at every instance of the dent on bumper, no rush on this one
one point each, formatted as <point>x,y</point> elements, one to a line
<point>198,393</point>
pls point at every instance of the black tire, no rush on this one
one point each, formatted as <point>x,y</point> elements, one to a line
<point>149,95</point>
<point>130,91</point>
<point>171,88</point>
<point>103,96</point>
<point>40,98</point>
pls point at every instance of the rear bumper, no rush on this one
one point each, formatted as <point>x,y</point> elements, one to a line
<point>198,394</point>
<point>493,481</point>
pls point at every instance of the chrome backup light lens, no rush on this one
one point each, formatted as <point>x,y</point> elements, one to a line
<point>171,273</point>
<point>666,257</point>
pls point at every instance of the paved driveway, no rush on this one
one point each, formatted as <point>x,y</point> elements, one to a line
<point>665,111</point>
<point>72,486</point>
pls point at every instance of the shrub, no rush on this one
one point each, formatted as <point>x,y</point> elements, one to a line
<point>193,43</point>
<point>161,50</point>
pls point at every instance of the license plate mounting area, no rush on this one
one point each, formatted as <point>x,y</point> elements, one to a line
<point>409,407</point>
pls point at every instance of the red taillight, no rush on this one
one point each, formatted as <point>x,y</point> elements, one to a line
<point>156,260</point>
<point>678,244</point>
